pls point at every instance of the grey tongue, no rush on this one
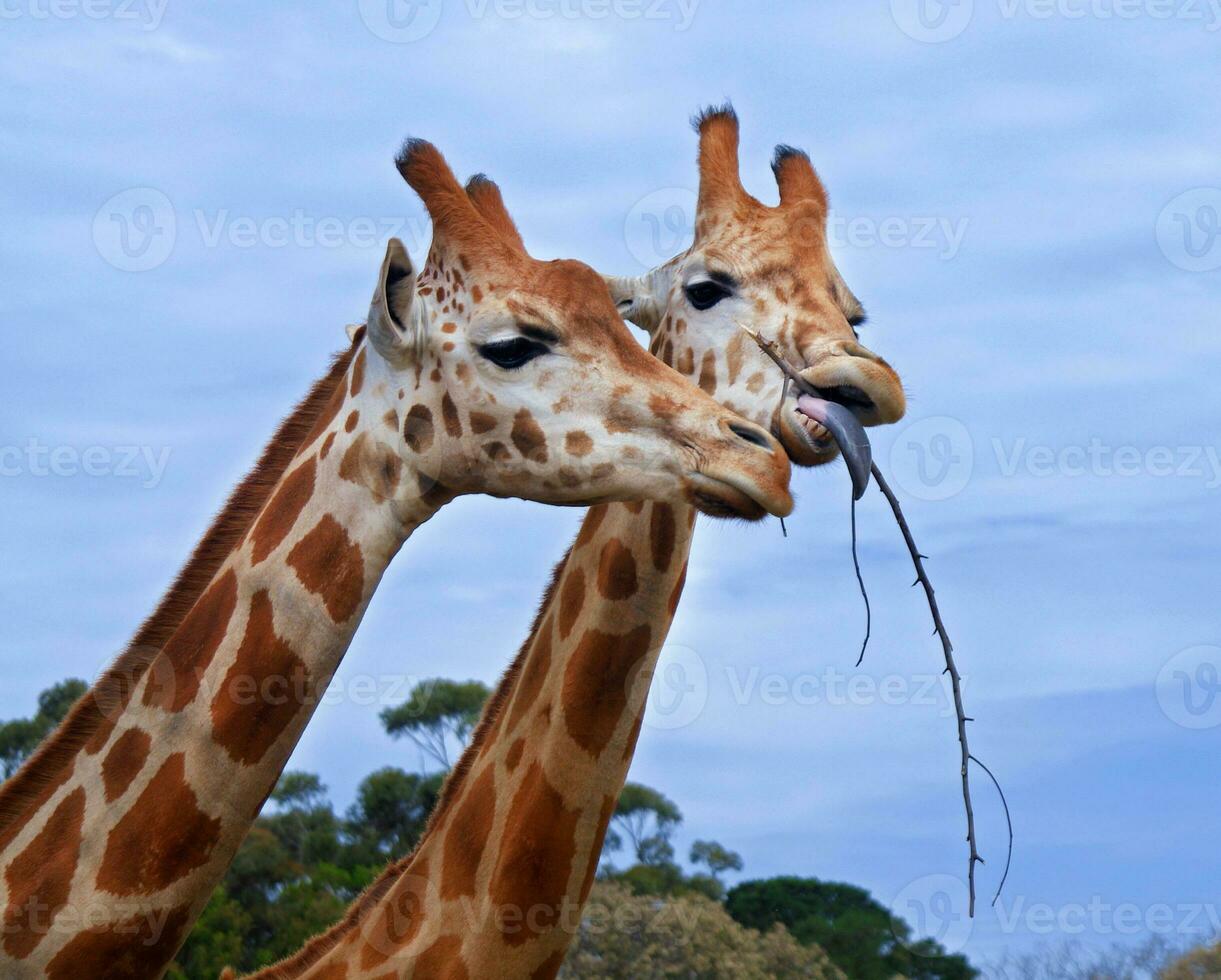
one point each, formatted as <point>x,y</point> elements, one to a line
<point>848,434</point>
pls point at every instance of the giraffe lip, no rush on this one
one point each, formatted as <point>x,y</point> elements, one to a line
<point>719,498</point>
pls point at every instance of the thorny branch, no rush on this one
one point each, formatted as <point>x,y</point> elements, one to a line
<point>769,348</point>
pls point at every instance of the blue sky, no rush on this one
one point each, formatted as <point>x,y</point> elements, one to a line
<point>1026,197</point>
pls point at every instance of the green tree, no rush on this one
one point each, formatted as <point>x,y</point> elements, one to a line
<point>20,737</point>
<point>715,857</point>
<point>857,932</point>
<point>435,713</point>
<point>632,937</point>
<point>391,810</point>
<point>647,819</point>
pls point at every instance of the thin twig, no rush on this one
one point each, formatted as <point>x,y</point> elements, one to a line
<point>770,349</point>
<point>860,581</point>
<point>951,668</point>
<point>1005,803</point>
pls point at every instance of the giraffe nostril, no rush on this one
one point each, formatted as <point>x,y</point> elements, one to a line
<point>754,436</point>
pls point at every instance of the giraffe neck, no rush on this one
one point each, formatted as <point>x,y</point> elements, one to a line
<point>115,833</point>
<point>498,882</point>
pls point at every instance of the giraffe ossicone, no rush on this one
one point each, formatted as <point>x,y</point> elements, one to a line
<point>497,883</point>
<point>484,371</point>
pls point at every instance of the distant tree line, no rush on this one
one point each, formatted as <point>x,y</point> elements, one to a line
<point>303,862</point>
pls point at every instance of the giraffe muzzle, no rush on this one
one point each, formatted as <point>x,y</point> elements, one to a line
<point>746,476</point>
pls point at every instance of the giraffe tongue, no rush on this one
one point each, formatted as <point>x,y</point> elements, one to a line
<point>848,434</point>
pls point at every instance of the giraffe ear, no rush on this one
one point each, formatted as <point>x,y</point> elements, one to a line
<point>396,315</point>
<point>641,299</point>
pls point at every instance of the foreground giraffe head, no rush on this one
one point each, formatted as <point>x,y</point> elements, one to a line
<point>768,268</point>
<point>516,377</point>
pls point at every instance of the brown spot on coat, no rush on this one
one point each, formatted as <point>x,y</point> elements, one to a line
<point>40,877</point>
<point>686,362</point>
<point>616,571</point>
<point>282,511</point>
<point>589,527</point>
<point>678,590</point>
<point>572,598</point>
<point>708,372</point>
<point>528,437</point>
<point>327,414</point>
<point>481,422</point>
<point>418,428</point>
<point>442,961</point>
<point>265,688</point>
<point>161,839</point>
<point>331,565</point>
<point>358,373</point>
<point>497,451</point>
<point>352,420</point>
<point>467,836</point>
<point>476,293</point>
<point>124,761</point>
<point>533,674</point>
<point>175,673</point>
<point>578,443</point>
<point>327,443</point>
<point>131,949</point>
<point>733,355</point>
<point>449,412</point>
<point>513,756</point>
<point>661,535</point>
<point>535,860</point>
<point>596,683</point>
<point>372,465</point>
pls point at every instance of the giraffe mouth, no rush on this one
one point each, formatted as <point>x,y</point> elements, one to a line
<point>716,498</point>
<point>814,431</point>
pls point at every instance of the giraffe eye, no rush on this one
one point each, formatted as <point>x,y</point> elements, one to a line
<point>705,295</point>
<point>513,353</point>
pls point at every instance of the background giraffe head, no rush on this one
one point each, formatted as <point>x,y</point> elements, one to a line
<point>768,268</point>
<point>515,377</point>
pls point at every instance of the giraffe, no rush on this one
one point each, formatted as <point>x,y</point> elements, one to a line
<point>488,371</point>
<point>496,886</point>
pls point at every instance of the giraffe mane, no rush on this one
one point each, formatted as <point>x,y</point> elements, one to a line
<point>321,944</point>
<point>38,775</point>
